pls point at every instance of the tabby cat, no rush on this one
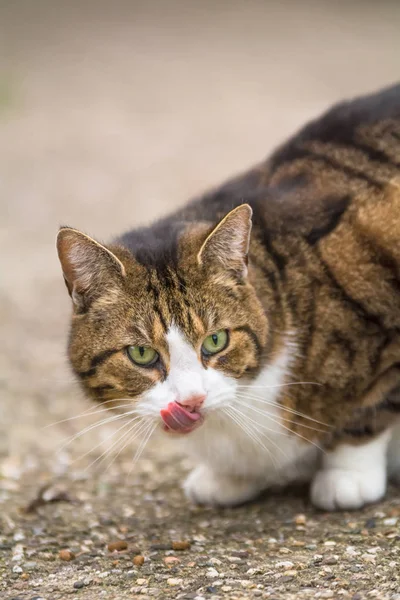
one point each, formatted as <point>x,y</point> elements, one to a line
<point>260,324</point>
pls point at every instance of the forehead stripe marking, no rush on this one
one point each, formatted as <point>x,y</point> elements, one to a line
<point>157,309</point>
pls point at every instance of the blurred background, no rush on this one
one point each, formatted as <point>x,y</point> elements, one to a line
<point>114,113</point>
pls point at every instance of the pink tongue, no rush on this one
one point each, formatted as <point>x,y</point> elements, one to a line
<point>178,418</point>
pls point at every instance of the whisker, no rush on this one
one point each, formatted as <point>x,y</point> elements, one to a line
<point>256,398</point>
<point>250,432</point>
<point>139,429</point>
<point>124,445</point>
<point>94,426</point>
<point>260,425</point>
<point>109,401</point>
<point>250,419</point>
<point>111,435</point>
<point>214,403</point>
<point>139,451</point>
<point>86,414</point>
<point>296,434</point>
<point>279,385</point>
<point>271,416</point>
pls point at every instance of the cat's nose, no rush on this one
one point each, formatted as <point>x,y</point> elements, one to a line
<point>194,402</point>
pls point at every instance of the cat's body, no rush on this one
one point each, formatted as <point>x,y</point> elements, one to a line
<point>317,307</point>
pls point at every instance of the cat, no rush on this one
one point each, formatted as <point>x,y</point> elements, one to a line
<point>260,324</point>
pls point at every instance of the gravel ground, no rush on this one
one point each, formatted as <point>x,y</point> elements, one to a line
<point>112,114</point>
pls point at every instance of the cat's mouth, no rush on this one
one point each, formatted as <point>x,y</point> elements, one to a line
<point>178,419</point>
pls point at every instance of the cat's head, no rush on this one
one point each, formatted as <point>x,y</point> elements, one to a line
<point>171,336</point>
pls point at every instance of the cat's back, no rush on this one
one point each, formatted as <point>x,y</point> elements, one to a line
<point>341,168</point>
<point>357,141</point>
<point>342,160</point>
<point>350,152</point>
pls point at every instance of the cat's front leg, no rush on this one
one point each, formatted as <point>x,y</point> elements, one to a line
<point>352,475</point>
<point>205,486</point>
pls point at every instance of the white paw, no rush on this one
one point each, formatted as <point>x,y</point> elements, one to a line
<point>336,488</point>
<point>204,486</point>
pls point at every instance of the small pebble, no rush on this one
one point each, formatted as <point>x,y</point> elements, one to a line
<point>178,546</point>
<point>18,553</point>
<point>241,553</point>
<point>291,573</point>
<point>391,533</point>
<point>330,560</point>
<point>212,573</point>
<point>171,561</point>
<point>66,555</point>
<point>117,546</point>
<point>300,519</point>
<point>374,550</point>
<point>370,523</point>
<point>138,560</point>
<point>351,551</point>
<point>379,514</point>
<point>391,522</point>
<point>17,569</point>
<point>368,558</point>
<point>284,564</point>
<point>78,585</point>
<point>173,581</point>
<point>234,559</point>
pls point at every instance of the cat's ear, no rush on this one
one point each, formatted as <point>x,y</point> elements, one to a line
<point>89,268</point>
<point>227,246</point>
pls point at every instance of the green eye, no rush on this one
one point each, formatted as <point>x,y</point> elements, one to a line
<point>215,342</point>
<point>142,355</point>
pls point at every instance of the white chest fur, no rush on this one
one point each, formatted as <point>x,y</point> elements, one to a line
<point>246,436</point>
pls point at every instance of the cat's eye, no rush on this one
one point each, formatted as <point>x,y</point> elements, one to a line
<point>215,342</point>
<point>142,355</point>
